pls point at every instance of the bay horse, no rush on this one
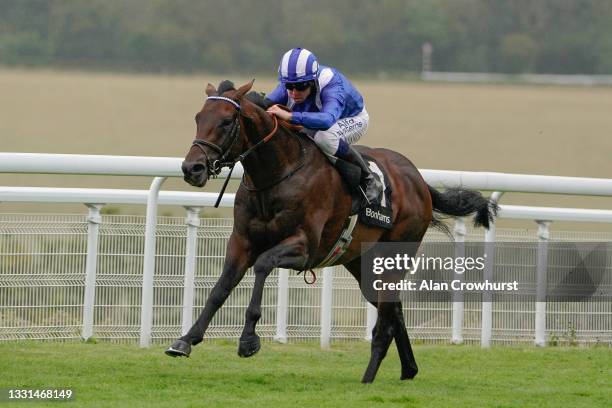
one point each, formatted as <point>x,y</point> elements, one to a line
<point>291,207</point>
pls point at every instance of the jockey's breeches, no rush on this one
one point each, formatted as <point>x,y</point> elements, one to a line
<point>348,129</point>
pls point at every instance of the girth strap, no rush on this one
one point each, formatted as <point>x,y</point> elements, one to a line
<point>341,244</point>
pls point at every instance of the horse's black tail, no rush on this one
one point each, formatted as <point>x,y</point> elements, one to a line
<point>460,202</point>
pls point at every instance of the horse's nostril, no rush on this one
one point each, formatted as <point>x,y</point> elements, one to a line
<point>193,168</point>
<point>198,168</point>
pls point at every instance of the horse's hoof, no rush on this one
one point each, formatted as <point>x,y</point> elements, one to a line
<point>249,346</point>
<point>409,374</point>
<point>367,380</point>
<point>179,348</point>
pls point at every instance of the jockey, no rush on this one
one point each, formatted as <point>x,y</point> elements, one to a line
<point>327,105</point>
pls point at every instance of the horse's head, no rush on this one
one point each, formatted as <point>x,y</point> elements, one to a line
<point>218,137</point>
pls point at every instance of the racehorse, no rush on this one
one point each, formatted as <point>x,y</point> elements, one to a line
<point>291,207</point>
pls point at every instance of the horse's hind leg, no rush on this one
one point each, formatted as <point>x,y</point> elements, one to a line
<point>409,366</point>
<point>381,339</point>
<point>384,330</point>
<point>290,253</point>
<point>402,341</point>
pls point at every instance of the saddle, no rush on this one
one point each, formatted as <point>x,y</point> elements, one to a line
<point>377,214</point>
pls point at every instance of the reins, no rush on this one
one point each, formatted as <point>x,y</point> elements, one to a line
<point>262,141</point>
<point>286,175</point>
<point>215,167</point>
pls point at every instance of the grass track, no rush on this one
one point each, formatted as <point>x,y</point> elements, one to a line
<point>301,375</point>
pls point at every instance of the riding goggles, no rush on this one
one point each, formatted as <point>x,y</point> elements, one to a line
<point>298,86</point>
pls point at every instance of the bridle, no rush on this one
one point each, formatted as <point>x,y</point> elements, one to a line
<point>214,167</point>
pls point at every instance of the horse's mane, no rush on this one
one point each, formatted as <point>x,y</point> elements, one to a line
<point>258,98</point>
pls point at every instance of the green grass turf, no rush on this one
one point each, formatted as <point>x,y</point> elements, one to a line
<point>302,375</point>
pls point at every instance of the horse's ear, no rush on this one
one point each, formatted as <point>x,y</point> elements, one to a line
<point>210,89</point>
<point>244,89</point>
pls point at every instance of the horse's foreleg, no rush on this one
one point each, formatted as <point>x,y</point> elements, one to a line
<point>409,365</point>
<point>381,340</point>
<point>236,263</point>
<point>290,253</point>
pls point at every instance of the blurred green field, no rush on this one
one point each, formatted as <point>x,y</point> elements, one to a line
<point>507,128</point>
<point>302,375</point>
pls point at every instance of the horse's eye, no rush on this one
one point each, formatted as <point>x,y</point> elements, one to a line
<point>225,123</point>
<point>197,118</point>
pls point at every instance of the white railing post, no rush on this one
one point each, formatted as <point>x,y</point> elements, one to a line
<point>541,288</point>
<point>146,311</point>
<point>93,221</point>
<point>486,324</point>
<point>487,304</point>
<point>372,316</point>
<point>282,305</point>
<point>326,307</point>
<point>457,317</point>
<point>193,222</point>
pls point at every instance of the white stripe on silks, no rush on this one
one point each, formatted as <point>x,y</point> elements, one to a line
<point>325,76</point>
<point>285,63</point>
<point>300,67</point>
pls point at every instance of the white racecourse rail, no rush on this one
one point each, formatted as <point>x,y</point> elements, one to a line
<point>162,167</point>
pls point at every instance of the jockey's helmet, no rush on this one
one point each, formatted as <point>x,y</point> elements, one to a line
<point>298,65</point>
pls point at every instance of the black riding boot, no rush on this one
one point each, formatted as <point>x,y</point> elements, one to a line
<point>370,184</point>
